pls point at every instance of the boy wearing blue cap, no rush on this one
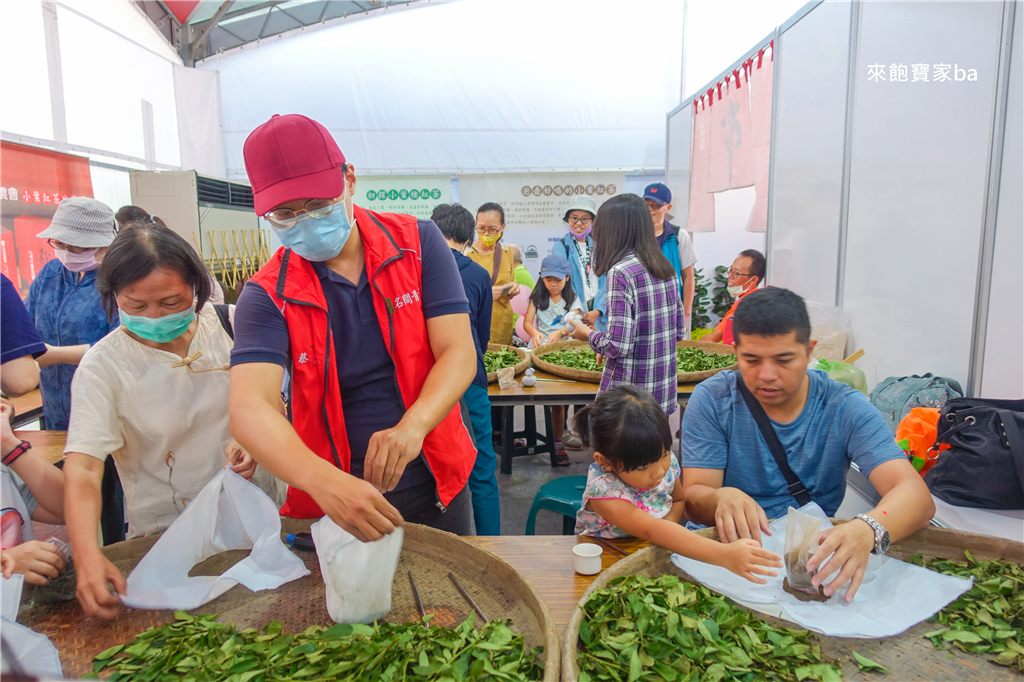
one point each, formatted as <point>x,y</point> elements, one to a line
<point>675,244</point>
<point>551,302</point>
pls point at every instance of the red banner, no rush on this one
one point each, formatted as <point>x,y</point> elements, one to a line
<point>33,182</point>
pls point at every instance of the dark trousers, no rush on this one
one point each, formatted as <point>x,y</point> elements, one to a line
<point>419,505</point>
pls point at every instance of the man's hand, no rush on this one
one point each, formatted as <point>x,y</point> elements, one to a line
<point>388,453</point>
<point>747,559</point>
<point>39,562</point>
<point>356,506</point>
<point>738,516</point>
<point>851,543</point>
<point>95,573</point>
<point>239,461</point>
<point>591,317</point>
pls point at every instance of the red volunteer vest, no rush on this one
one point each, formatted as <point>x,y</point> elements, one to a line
<point>391,249</point>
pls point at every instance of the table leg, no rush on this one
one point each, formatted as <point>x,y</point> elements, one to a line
<point>507,439</point>
<point>549,440</point>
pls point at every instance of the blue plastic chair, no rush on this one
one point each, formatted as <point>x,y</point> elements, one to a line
<point>563,496</point>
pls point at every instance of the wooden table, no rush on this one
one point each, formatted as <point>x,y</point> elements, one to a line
<point>49,444</point>
<point>546,561</point>
<point>549,390</point>
<point>27,408</point>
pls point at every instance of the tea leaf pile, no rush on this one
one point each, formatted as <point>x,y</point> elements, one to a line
<point>197,648</point>
<point>666,629</point>
<point>692,359</point>
<point>989,617</point>
<point>497,359</point>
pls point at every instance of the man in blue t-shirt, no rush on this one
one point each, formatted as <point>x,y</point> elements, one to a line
<point>20,343</point>
<point>732,480</point>
<point>458,227</point>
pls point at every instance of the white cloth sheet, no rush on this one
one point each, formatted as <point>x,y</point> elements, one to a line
<point>893,597</point>
<point>229,513</point>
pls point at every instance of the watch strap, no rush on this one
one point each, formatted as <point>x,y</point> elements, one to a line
<point>877,528</point>
<point>19,450</point>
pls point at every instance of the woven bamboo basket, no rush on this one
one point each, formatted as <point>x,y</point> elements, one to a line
<point>568,372</point>
<point>595,377</point>
<point>908,656</point>
<point>707,347</point>
<point>520,367</point>
<point>499,590</point>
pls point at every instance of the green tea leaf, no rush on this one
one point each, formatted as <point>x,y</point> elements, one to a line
<point>866,664</point>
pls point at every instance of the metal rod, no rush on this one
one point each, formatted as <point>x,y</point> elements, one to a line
<point>609,544</point>
<point>467,597</point>
<point>416,596</point>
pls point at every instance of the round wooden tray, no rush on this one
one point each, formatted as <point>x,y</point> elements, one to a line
<point>907,656</point>
<point>499,590</point>
<point>568,372</point>
<point>595,377</point>
<point>520,367</point>
<point>707,347</point>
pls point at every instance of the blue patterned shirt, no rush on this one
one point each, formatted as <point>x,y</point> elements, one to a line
<point>645,319</point>
<point>67,312</point>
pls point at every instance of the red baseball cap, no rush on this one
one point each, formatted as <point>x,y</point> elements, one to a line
<point>292,157</point>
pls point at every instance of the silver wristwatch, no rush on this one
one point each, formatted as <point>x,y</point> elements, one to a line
<point>881,534</point>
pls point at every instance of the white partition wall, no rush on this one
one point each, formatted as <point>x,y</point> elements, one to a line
<point>679,129</point>
<point>807,182</point>
<point>918,184</point>
<point>1002,374</point>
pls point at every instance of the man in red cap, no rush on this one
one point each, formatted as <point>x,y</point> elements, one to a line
<point>367,313</point>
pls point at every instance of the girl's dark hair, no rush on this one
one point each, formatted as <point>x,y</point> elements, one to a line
<point>541,297</point>
<point>491,206</point>
<point>623,225</point>
<point>139,251</point>
<point>626,425</point>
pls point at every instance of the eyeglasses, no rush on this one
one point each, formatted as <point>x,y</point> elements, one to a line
<point>488,232</point>
<point>67,247</point>
<point>736,273</point>
<point>654,205</point>
<point>586,220</point>
<point>314,208</point>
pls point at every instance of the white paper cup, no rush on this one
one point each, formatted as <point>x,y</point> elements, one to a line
<point>586,558</point>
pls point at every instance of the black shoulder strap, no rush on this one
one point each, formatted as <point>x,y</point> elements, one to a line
<point>796,488</point>
<point>225,319</point>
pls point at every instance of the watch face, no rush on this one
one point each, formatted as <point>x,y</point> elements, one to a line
<point>883,544</point>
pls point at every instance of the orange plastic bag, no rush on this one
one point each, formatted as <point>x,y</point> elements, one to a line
<point>916,435</point>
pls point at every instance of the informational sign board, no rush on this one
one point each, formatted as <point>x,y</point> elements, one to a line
<point>535,203</point>
<point>33,182</point>
<point>410,194</point>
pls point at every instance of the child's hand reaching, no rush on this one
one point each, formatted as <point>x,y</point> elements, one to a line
<point>747,559</point>
<point>538,340</point>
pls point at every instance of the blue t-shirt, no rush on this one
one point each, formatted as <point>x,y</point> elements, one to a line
<point>477,284</point>
<point>369,389</point>
<point>18,336</point>
<point>838,425</point>
<point>67,311</point>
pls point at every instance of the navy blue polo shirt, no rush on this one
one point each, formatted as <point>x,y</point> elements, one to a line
<point>477,284</point>
<point>369,388</point>
<point>18,336</point>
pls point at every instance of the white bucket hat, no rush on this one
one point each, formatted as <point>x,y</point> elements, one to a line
<point>82,222</point>
<point>581,202</point>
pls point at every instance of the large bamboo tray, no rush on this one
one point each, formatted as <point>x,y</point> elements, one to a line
<point>520,367</point>
<point>499,590</point>
<point>908,656</point>
<point>595,377</point>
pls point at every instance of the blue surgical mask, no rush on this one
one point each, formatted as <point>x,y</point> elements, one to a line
<point>159,329</point>
<point>317,239</point>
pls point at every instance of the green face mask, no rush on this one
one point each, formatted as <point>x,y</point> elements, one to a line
<point>159,329</point>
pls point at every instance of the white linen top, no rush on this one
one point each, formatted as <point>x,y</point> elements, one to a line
<point>163,418</point>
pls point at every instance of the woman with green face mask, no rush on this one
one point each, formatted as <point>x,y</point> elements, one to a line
<point>496,258</point>
<point>153,394</point>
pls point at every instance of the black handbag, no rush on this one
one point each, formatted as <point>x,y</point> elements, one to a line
<point>984,466</point>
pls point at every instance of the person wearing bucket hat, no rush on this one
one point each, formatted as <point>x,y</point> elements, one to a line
<point>63,301</point>
<point>367,312</point>
<point>577,247</point>
<point>674,243</point>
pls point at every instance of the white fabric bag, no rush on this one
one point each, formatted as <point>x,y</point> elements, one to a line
<point>358,575</point>
<point>229,513</point>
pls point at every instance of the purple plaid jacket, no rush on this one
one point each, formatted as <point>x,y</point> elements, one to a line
<point>645,319</point>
